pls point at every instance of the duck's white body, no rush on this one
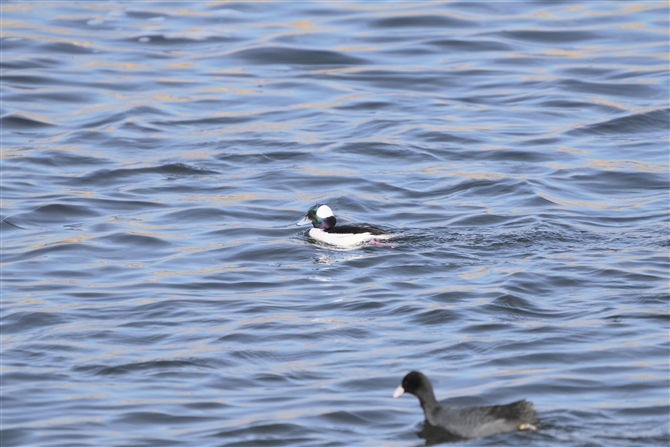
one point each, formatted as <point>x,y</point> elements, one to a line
<point>345,240</point>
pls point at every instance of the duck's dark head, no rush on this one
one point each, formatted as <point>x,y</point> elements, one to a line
<point>321,216</point>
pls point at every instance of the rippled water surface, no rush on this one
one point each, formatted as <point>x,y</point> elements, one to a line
<point>155,160</point>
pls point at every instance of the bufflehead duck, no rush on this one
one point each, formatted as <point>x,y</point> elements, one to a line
<point>323,220</point>
<point>469,422</point>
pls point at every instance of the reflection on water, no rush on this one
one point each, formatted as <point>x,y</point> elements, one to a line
<point>156,156</point>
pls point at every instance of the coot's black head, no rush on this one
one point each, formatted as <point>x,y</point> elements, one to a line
<point>414,381</point>
<point>320,216</point>
<point>418,384</point>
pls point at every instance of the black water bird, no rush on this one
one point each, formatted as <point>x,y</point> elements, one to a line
<point>468,422</point>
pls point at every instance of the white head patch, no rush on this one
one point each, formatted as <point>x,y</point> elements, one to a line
<point>324,211</point>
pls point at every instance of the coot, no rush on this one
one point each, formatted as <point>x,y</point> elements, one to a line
<point>470,422</point>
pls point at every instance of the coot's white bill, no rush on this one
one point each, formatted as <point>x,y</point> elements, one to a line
<point>398,392</point>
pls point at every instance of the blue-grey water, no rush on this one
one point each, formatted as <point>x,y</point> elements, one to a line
<point>155,160</point>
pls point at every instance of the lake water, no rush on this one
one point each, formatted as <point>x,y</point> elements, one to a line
<point>155,160</point>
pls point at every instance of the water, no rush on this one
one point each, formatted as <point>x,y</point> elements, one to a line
<point>156,157</point>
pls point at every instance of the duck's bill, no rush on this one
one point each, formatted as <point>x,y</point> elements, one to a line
<point>398,392</point>
<point>305,221</point>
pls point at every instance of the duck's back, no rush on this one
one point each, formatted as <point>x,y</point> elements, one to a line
<point>484,421</point>
<point>357,229</point>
